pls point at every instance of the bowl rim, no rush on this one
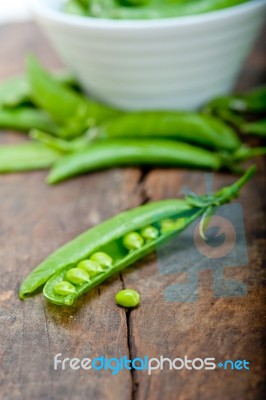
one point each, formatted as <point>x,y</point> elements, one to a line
<point>42,8</point>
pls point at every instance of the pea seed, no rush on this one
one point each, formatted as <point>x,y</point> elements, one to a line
<point>167,225</point>
<point>149,233</point>
<point>133,241</point>
<point>91,267</point>
<point>103,259</point>
<point>77,276</point>
<point>179,223</point>
<point>64,288</point>
<point>127,298</point>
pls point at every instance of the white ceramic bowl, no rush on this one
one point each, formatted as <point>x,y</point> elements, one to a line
<point>176,63</point>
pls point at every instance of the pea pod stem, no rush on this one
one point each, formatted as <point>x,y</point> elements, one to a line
<point>223,195</point>
<point>117,153</point>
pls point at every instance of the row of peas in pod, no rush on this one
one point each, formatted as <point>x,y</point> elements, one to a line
<point>86,270</point>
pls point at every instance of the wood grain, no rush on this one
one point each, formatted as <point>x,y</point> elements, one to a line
<point>35,219</point>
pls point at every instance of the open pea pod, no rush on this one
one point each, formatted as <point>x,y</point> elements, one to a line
<point>97,237</point>
<point>106,249</point>
<point>120,255</point>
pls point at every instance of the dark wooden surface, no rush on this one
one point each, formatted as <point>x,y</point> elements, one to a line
<point>35,219</point>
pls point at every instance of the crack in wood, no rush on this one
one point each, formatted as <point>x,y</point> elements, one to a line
<point>141,183</point>
<point>130,345</point>
<point>130,342</point>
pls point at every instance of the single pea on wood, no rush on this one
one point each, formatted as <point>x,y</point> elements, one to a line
<point>127,298</point>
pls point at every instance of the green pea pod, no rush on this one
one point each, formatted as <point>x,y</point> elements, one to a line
<point>26,157</point>
<point>230,117</point>
<point>253,101</point>
<point>26,118</point>
<point>68,108</point>
<point>98,237</point>
<point>257,128</point>
<point>118,153</point>
<point>75,7</point>
<point>122,259</point>
<point>50,95</point>
<point>84,3</point>
<point>108,237</point>
<point>134,3</point>
<point>245,153</point>
<point>157,10</point>
<point>15,91</point>
<point>191,127</point>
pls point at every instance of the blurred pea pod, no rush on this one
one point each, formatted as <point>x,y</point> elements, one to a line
<point>242,153</point>
<point>257,128</point>
<point>26,118</point>
<point>155,9</point>
<point>253,102</point>
<point>237,110</point>
<point>72,111</point>
<point>26,156</point>
<point>204,130</point>
<point>15,91</point>
<point>121,153</point>
<point>76,7</point>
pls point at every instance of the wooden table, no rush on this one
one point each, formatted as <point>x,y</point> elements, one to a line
<point>35,219</point>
